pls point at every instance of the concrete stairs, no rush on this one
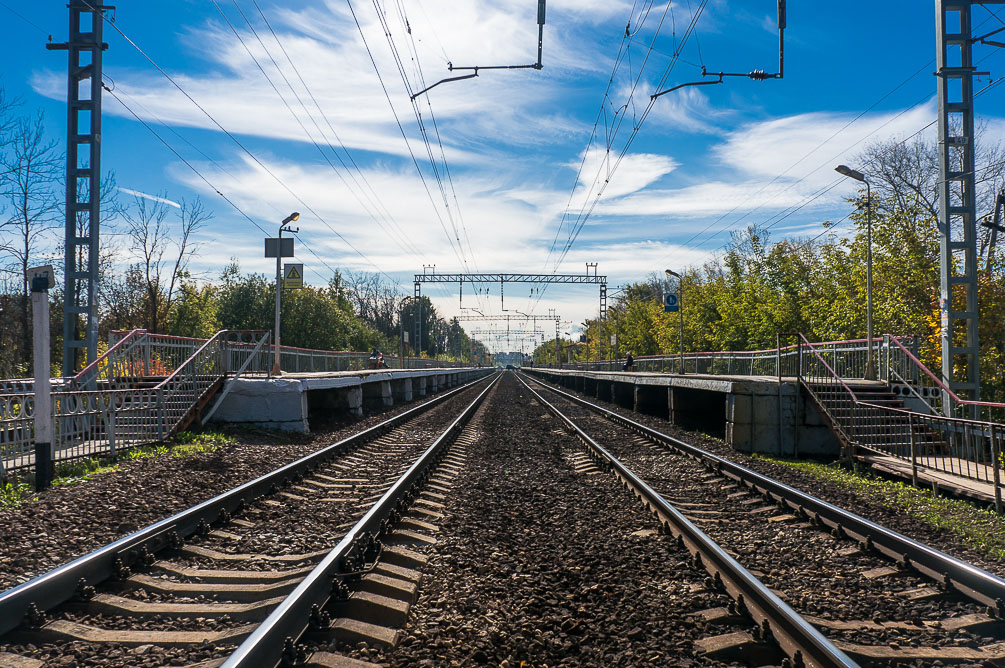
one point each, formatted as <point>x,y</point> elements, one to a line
<point>872,427</point>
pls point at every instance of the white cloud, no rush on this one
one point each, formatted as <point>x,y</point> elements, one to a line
<point>602,171</point>
<point>806,145</point>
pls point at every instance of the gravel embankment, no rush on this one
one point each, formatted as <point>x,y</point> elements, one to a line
<point>862,505</point>
<point>69,521</point>
<point>537,565</point>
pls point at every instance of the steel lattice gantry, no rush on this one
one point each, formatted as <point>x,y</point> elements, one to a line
<point>524,318</point>
<point>957,197</point>
<point>83,179</point>
<point>461,279</point>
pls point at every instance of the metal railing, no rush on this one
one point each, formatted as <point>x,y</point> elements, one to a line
<point>145,386</point>
<point>909,413</point>
<point>17,428</point>
<point>850,356</point>
<point>866,419</point>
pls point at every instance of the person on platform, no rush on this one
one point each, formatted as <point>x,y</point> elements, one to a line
<point>629,363</point>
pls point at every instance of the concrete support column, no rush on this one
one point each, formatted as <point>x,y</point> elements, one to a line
<point>354,398</point>
<point>385,393</point>
<point>406,389</point>
<point>422,386</point>
<point>635,398</point>
<point>672,405</point>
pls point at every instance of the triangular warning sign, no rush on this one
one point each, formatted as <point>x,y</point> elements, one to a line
<point>293,273</point>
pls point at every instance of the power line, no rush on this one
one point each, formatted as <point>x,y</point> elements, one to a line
<point>365,206</point>
<point>114,25</point>
<point>623,51</point>
<point>586,212</point>
<point>401,128</point>
<point>204,179</point>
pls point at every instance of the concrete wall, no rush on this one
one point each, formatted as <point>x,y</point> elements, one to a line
<point>275,403</point>
<point>290,403</point>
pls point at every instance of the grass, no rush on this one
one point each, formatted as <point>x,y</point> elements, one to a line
<point>983,530</point>
<point>15,491</point>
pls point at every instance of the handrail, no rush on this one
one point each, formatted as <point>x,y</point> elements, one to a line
<point>107,353</point>
<point>266,335</point>
<point>943,386</point>
<point>163,383</point>
<point>828,367</point>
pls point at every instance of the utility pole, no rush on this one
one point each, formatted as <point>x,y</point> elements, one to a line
<point>283,227</point>
<point>41,281</point>
<point>957,197</point>
<point>83,180</point>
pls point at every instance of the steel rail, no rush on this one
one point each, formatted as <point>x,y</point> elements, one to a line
<point>268,644</point>
<point>60,584</point>
<point>799,639</point>
<point>971,581</point>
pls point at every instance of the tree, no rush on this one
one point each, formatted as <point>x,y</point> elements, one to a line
<point>29,169</point>
<point>152,237</point>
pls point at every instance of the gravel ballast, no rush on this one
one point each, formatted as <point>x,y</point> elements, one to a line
<point>538,565</point>
<point>892,518</point>
<point>68,521</point>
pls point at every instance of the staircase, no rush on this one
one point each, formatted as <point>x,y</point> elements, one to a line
<point>148,387</point>
<point>868,415</point>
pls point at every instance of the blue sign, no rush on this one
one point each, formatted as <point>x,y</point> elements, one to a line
<point>670,303</point>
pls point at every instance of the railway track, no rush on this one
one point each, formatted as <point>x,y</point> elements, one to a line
<point>319,544</point>
<point>831,588</point>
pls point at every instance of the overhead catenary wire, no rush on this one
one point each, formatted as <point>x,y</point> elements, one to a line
<point>384,225</point>
<point>370,192</point>
<point>203,177</point>
<point>115,26</point>
<point>406,26</point>
<point>588,206</point>
<point>455,240</point>
<point>610,136</point>
<point>397,120</point>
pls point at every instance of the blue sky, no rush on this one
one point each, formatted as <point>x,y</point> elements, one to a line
<point>705,161</point>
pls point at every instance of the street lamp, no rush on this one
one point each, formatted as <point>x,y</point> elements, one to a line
<point>283,227</point>
<point>401,325</point>
<point>680,312</point>
<point>870,367</point>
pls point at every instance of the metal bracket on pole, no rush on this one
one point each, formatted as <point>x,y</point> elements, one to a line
<point>535,66</point>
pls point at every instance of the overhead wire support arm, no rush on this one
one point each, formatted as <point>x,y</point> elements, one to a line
<point>683,85</point>
<point>983,39</point>
<point>535,66</point>
<point>441,81</point>
<point>761,75</point>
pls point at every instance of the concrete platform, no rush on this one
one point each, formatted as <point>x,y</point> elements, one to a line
<point>288,402</point>
<point>751,413</point>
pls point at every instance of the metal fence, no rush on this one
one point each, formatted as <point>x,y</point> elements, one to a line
<point>145,386</point>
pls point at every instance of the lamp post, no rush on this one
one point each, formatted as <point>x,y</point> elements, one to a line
<point>283,227</point>
<point>680,312</point>
<point>870,367</point>
<point>401,325</point>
